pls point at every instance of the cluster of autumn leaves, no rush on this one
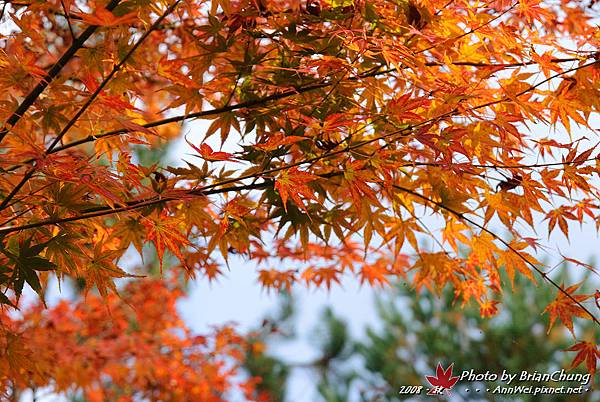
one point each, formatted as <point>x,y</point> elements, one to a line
<point>124,346</point>
<point>346,125</point>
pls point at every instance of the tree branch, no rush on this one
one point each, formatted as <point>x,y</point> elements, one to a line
<point>91,99</point>
<point>488,166</point>
<point>54,71</point>
<point>504,242</point>
<point>274,97</point>
<point>133,205</point>
<point>106,210</point>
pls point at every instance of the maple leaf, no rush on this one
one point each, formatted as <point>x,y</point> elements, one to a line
<point>117,103</point>
<point>277,140</point>
<point>559,215</point>
<point>374,274</point>
<point>27,261</point>
<point>511,261</point>
<point>401,106</point>
<point>443,378</point>
<point>587,352</point>
<point>129,231</point>
<point>510,183</point>
<point>488,308</point>
<point>272,278</point>
<point>105,18</point>
<point>102,269</point>
<point>19,358</point>
<point>211,270</point>
<point>207,153</point>
<point>318,276</point>
<point>172,70</point>
<point>165,235</point>
<point>434,270</point>
<point>565,308</point>
<point>292,183</point>
<point>358,178</point>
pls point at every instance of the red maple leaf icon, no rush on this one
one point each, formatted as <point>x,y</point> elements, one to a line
<point>443,380</point>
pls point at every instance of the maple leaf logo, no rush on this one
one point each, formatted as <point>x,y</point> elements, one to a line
<point>442,381</point>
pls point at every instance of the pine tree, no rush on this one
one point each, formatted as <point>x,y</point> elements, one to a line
<point>418,332</point>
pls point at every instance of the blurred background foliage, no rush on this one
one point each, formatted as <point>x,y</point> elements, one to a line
<point>415,332</point>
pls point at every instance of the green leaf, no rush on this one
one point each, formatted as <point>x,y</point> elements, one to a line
<point>31,278</point>
<point>40,264</point>
<point>5,300</point>
<point>370,13</point>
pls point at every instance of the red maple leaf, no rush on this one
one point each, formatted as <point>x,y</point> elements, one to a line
<point>292,183</point>
<point>443,380</point>
<point>207,153</point>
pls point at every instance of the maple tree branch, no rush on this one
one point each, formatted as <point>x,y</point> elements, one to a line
<point>532,87</point>
<point>18,215</point>
<point>175,119</point>
<point>505,65</point>
<point>53,73</point>
<point>134,205</point>
<point>68,18</point>
<point>91,99</point>
<point>203,190</point>
<point>488,166</point>
<point>28,175</point>
<point>3,10</point>
<point>102,211</point>
<point>504,242</point>
<point>261,101</point>
<point>407,129</point>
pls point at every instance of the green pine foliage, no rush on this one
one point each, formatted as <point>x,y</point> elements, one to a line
<point>413,335</point>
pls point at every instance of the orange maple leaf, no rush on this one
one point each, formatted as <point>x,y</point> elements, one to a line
<point>272,278</point>
<point>207,153</point>
<point>292,183</point>
<point>588,352</point>
<point>375,274</point>
<point>559,215</point>
<point>278,140</point>
<point>104,18</point>
<point>172,70</point>
<point>488,308</point>
<point>165,235</point>
<point>565,308</point>
<point>114,102</point>
<point>318,276</point>
<point>357,179</point>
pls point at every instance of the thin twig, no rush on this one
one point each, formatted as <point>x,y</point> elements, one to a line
<point>68,18</point>
<point>106,210</point>
<point>504,242</point>
<point>90,100</point>
<point>53,73</point>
